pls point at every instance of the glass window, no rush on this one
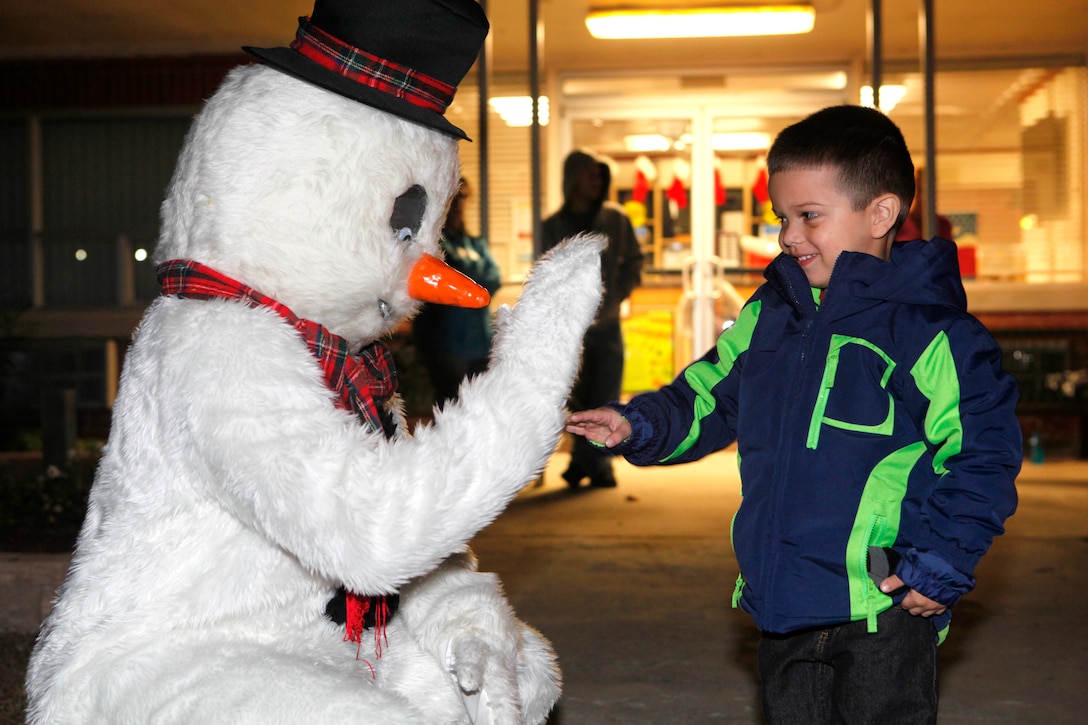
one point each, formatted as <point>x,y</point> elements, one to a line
<point>16,290</point>
<point>1010,159</point>
<point>103,182</point>
<point>1010,156</point>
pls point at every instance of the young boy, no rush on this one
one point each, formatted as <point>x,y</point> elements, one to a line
<point>875,432</point>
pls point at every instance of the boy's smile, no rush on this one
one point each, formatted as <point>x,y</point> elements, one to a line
<point>819,221</point>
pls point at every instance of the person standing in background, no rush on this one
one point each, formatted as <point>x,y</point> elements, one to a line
<point>455,342</point>
<point>586,182</point>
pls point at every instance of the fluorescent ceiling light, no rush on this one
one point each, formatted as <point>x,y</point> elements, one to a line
<point>646,142</point>
<point>890,96</point>
<point>518,110</point>
<point>710,22</point>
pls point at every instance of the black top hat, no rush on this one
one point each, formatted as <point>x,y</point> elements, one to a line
<point>404,56</point>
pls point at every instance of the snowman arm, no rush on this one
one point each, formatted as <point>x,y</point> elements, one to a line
<point>371,513</point>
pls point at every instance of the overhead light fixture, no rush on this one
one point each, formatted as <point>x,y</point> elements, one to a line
<point>890,96</point>
<point>518,110</point>
<point>700,22</point>
<point>646,142</point>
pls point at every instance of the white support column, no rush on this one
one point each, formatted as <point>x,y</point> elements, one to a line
<point>702,234</point>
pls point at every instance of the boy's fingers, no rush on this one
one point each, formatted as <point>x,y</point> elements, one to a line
<point>891,584</point>
<point>595,416</point>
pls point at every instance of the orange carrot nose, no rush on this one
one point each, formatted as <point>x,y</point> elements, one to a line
<point>432,280</point>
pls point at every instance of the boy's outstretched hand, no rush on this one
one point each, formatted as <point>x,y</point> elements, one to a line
<point>602,426</point>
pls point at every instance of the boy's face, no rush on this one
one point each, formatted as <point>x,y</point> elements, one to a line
<point>819,221</point>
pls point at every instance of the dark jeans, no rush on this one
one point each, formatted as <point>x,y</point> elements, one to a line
<point>599,382</point>
<point>845,675</point>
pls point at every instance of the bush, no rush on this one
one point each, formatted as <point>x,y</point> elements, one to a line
<point>43,511</point>
<point>14,653</point>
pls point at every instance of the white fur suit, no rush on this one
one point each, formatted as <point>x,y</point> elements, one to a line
<point>234,496</point>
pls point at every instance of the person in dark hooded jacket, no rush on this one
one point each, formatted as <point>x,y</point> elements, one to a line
<point>586,181</point>
<point>876,433</point>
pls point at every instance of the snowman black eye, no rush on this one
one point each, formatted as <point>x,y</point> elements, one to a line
<point>407,216</point>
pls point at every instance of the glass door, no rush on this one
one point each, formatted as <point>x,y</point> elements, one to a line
<point>659,180</point>
<point>688,154</point>
<point>690,205</point>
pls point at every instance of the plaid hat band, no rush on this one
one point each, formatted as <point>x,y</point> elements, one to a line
<point>367,69</point>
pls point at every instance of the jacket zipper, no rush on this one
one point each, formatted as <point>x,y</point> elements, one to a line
<point>871,587</point>
<point>738,590</point>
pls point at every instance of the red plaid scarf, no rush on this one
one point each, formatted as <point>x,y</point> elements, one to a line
<point>362,67</point>
<point>363,383</point>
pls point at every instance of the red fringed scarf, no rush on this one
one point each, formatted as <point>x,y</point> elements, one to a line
<point>363,383</point>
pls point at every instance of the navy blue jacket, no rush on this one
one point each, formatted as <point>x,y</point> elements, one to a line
<point>877,417</point>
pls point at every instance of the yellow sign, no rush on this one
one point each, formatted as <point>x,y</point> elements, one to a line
<point>648,360</point>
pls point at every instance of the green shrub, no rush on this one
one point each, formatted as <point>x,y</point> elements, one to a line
<point>42,511</point>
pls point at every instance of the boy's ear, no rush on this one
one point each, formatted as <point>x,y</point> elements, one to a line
<point>884,210</point>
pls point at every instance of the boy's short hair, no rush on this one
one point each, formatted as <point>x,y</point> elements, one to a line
<point>865,146</point>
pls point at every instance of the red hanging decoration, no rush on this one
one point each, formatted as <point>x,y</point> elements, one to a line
<point>641,188</point>
<point>677,193</point>
<point>759,186</point>
<point>720,195</point>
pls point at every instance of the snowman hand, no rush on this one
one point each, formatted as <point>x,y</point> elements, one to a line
<point>502,318</point>
<point>486,676</point>
<point>461,616</point>
<point>542,336</point>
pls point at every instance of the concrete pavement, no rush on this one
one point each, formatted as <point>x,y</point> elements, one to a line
<point>632,585</point>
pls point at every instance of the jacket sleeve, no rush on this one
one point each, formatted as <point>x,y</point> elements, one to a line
<point>970,424</point>
<point>696,414</point>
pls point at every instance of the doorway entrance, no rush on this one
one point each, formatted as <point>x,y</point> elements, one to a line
<point>687,154</point>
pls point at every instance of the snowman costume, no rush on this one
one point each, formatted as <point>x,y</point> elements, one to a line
<point>259,459</point>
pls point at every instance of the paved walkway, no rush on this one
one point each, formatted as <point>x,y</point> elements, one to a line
<point>632,586</point>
